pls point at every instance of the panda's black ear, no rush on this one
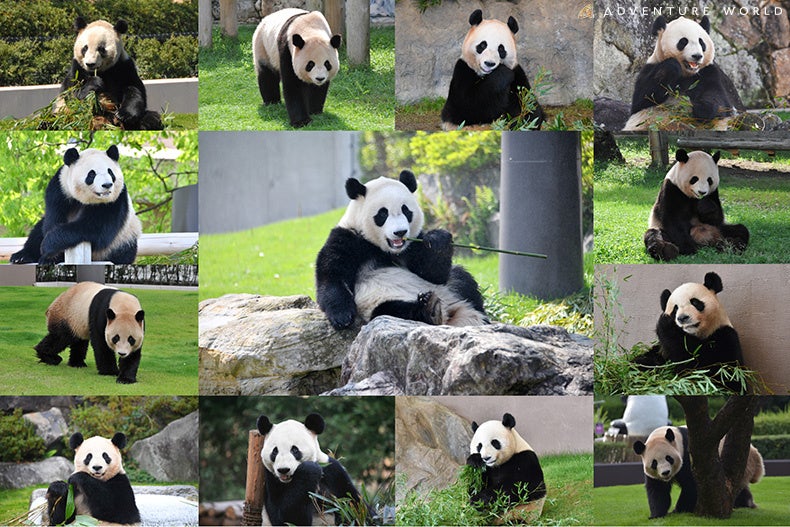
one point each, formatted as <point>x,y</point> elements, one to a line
<point>354,188</point>
<point>112,153</point>
<point>670,435</point>
<point>297,40</point>
<point>335,41</point>
<point>139,316</point>
<point>474,426</point>
<point>659,24</point>
<point>508,421</point>
<point>512,24</point>
<point>75,441</point>
<point>665,294</point>
<point>79,24</point>
<point>705,23</point>
<point>681,155</point>
<point>716,157</point>
<point>121,26</point>
<point>264,425</point>
<point>407,178</point>
<point>476,17</point>
<point>315,423</point>
<point>639,448</point>
<point>713,282</point>
<point>70,156</point>
<point>119,440</point>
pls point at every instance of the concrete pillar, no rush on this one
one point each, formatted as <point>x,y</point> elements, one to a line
<point>541,212</point>
<point>358,32</point>
<point>227,18</point>
<point>205,21</point>
<point>333,11</point>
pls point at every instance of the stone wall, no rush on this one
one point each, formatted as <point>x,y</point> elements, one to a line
<point>752,48</point>
<point>555,34</point>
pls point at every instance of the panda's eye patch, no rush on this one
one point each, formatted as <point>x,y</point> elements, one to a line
<point>84,50</point>
<point>310,66</point>
<point>381,216</point>
<point>112,176</point>
<point>693,180</point>
<point>408,213</point>
<point>131,341</point>
<point>710,181</point>
<point>479,447</point>
<point>682,43</point>
<point>481,47</point>
<point>698,304</point>
<point>87,459</point>
<point>502,52</point>
<point>328,65</point>
<point>670,460</point>
<point>496,444</point>
<point>654,464</point>
<point>116,339</point>
<point>107,458</point>
<point>102,51</point>
<point>90,177</point>
<point>296,453</point>
<point>274,453</point>
<point>702,44</point>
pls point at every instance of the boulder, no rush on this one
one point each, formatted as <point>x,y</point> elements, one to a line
<point>380,383</point>
<point>50,425</point>
<point>498,359</point>
<point>20,475</point>
<point>172,454</point>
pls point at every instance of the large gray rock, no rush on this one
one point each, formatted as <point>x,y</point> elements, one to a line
<point>253,345</point>
<point>485,360</point>
<point>50,425</point>
<point>172,454</point>
<point>37,403</point>
<point>380,383</point>
<point>19,475</point>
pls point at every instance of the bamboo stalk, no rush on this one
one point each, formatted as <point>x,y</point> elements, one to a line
<point>481,248</point>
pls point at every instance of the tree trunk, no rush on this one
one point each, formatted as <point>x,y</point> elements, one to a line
<point>715,474</point>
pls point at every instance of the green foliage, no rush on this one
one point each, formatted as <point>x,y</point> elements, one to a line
<point>574,313</point>
<point>172,58</point>
<point>379,510</point>
<point>480,212</point>
<point>18,439</point>
<point>772,423</point>
<point>541,86</point>
<point>444,152</point>
<point>772,446</point>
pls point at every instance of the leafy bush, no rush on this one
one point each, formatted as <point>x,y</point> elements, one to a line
<point>769,423</point>
<point>773,446</point>
<point>18,439</point>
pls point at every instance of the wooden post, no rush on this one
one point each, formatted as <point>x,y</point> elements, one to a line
<point>79,254</point>
<point>256,477</point>
<point>358,32</point>
<point>659,149</point>
<point>333,11</point>
<point>205,22</point>
<point>227,18</point>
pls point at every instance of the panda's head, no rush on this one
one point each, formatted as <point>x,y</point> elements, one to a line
<point>98,46</point>
<point>289,443</point>
<point>315,59</point>
<point>384,211</point>
<point>497,441</point>
<point>93,176</point>
<point>662,453</point>
<point>695,308</point>
<point>98,456</point>
<point>696,173</point>
<point>489,43</point>
<point>125,327</point>
<point>684,40</point>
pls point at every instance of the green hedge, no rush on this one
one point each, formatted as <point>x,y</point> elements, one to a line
<point>18,439</point>
<point>773,446</point>
<point>767,424</point>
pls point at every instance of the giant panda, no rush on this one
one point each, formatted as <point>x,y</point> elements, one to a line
<point>100,64</point>
<point>369,267</point>
<point>682,64</point>
<point>101,488</point>
<point>298,47</point>
<point>295,467</point>
<point>487,78</point>
<point>666,460</point>
<point>86,201</point>
<point>687,213</point>
<point>510,467</point>
<point>112,320</point>
<point>694,330</point>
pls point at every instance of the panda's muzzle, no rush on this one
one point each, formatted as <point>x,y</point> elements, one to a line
<point>284,474</point>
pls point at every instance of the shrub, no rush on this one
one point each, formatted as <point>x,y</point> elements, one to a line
<point>773,446</point>
<point>18,439</point>
<point>766,424</point>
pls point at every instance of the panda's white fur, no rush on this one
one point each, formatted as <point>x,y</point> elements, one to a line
<point>495,432</point>
<point>99,47</point>
<point>287,438</point>
<point>309,39</point>
<point>490,35</point>
<point>701,324</point>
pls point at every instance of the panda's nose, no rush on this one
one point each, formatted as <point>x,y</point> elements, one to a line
<point>320,79</point>
<point>107,185</point>
<point>490,64</point>
<point>697,56</point>
<point>400,234</point>
<point>96,468</point>
<point>665,473</point>
<point>703,192</point>
<point>90,65</point>
<point>683,319</point>
<point>284,470</point>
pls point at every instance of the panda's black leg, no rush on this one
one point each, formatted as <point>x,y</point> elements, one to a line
<point>125,254</point>
<point>58,337</point>
<point>105,357</point>
<point>31,251</point>
<point>296,102</point>
<point>79,350</point>
<point>658,248</point>
<point>57,493</point>
<point>316,98</point>
<point>268,84</point>
<point>151,120</point>
<point>127,367</point>
<point>426,309</point>
<point>659,497</point>
<point>463,284</point>
<point>737,236</point>
<point>745,499</point>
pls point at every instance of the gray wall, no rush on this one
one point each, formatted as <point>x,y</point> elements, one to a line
<point>249,179</point>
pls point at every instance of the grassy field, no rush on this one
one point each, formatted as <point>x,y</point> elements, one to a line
<point>178,121</point>
<point>568,502</point>
<point>359,98</point>
<point>624,196</point>
<point>627,505</point>
<point>169,364</point>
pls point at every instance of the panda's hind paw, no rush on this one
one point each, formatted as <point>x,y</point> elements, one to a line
<point>430,308</point>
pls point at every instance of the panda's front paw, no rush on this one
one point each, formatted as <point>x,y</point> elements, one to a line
<point>475,460</point>
<point>664,251</point>
<point>23,257</point>
<point>93,84</point>
<point>341,318</point>
<point>430,308</point>
<point>439,241</point>
<point>125,380</point>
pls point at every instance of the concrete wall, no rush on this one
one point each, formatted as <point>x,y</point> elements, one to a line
<point>551,425</point>
<point>249,179</point>
<point>754,296</point>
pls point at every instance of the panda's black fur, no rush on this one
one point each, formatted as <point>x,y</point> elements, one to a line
<point>111,227</point>
<point>476,98</point>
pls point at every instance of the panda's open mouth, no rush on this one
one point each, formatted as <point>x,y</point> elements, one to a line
<point>689,328</point>
<point>396,243</point>
<point>103,194</point>
<point>693,67</point>
<point>285,478</point>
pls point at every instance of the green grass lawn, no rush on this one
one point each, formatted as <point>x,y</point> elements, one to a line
<point>169,364</point>
<point>179,121</point>
<point>359,98</point>
<point>568,501</point>
<point>624,196</point>
<point>627,505</point>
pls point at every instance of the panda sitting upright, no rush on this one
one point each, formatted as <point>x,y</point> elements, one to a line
<point>101,487</point>
<point>682,64</point>
<point>487,78</point>
<point>368,266</point>
<point>85,201</point>
<point>510,466</point>
<point>687,213</point>
<point>295,467</point>
<point>101,65</point>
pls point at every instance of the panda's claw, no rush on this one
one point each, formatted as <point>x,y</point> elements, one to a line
<point>430,308</point>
